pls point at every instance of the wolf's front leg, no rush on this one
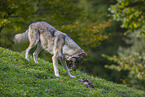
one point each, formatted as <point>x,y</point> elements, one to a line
<point>63,62</point>
<point>55,65</point>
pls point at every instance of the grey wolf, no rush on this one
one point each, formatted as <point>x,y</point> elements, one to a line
<point>57,43</point>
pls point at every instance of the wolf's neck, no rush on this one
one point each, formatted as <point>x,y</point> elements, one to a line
<point>71,48</point>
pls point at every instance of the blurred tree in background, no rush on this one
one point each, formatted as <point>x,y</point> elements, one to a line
<point>131,13</point>
<point>97,11</point>
<point>132,59</point>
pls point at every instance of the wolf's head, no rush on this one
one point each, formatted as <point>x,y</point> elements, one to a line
<point>76,60</point>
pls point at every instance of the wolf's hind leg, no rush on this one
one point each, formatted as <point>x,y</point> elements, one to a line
<point>33,38</point>
<point>31,45</point>
<point>36,52</point>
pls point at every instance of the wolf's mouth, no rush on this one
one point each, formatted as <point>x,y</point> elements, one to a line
<point>72,65</point>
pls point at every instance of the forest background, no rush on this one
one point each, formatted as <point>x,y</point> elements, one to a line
<point>110,31</point>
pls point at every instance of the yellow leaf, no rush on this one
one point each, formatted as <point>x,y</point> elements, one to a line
<point>139,76</point>
<point>130,17</point>
<point>134,24</point>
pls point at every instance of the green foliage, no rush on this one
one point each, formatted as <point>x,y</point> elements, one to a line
<point>87,34</point>
<point>18,77</point>
<point>16,11</point>
<point>59,12</point>
<point>134,64</point>
<point>130,13</point>
<point>96,12</point>
<point>131,59</point>
<point>13,12</point>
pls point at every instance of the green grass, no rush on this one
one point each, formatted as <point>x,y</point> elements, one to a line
<point>20,78</point>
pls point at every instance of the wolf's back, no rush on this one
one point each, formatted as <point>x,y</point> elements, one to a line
<point>22,37</point>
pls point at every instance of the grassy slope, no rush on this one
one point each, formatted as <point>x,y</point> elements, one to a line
<point>19,77</point>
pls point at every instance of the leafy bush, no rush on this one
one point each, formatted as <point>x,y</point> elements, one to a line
<point>131,59</point>
<point>130,13</point>
<point>87,33</point>
<point>134,64</point>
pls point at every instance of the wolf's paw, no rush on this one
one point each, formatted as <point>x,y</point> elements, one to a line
<point>72,76</point>
<point>36,62</point>
<point>57,75</point>
<point>27,59</point>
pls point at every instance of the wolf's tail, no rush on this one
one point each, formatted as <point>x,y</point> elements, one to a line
<point>22,37</point>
